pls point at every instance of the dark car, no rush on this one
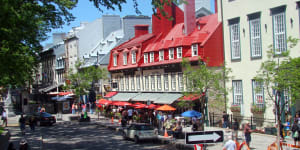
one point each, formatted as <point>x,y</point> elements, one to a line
<point>41,118</point>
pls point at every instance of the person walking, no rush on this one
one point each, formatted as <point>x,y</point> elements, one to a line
<point>235,129</point>
<point>247,133</point>
<point>4,118</point>
<point>225,119</point>
<point>22,123</point>
<point>73,108</point>
<point>295,132</point>
<point>230,144</point>
<point>32,123</point>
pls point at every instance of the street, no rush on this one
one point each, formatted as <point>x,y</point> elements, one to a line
<point>79,137</point>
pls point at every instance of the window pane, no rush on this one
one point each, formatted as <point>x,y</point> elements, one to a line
<point>235,41</point>
<point>237,92</point>
<point>146,83</point>
<point>180,81</point>
<point>279,33</point>
<point>166,82</point>
<point>255,37</point>
<point>158,78</point>
<point>152,82</point>
<point>132,83</point>
<point>138,84</point>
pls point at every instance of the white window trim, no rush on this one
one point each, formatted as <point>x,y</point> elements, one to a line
<point>279,32</point>
<point>258,96</point>
<point>166,82</point>
<point>161,55</point>
<point>255,37</point>
<point>151,56</point>
<point>127,82</point>
<point>194,49</point>
<point>158,79</point>
<point>152,82</point>
<point>115,60</point>
<point>147,83</point>
<point>145,58</point>
<point>171,53</point>
<point>235,41</point>
<point>125,58</point>
<point>173,81</point>
<point>180,81</point>
<point>179,51</point>
<point>132,82</point>
<point>133,57</point>
<point>138,82</point>
<point>237,88</point>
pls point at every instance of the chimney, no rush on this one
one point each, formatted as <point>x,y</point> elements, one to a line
<point>140,29</point>
<point>189,17</point>
<point>216,6</point>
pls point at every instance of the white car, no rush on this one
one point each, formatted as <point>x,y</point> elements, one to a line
<point>139,132</point>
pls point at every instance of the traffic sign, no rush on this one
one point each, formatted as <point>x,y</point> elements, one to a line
<point>204,137</point>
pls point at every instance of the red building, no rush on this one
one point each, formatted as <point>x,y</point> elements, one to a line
<point>147,67</point>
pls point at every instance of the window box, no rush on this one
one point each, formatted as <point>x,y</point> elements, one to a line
<point>235,108</point>
<point>258,108</point>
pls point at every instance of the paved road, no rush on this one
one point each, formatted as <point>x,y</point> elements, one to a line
<point>89,137</point>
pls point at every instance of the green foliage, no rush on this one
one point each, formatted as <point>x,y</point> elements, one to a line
<point>23,25</point>
<point>82,80</point>
<point>185,104</point>
<point>258,108</point>
<point>201,79</point>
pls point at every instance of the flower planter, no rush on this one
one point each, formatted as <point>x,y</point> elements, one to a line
<point>257,110</point>
<point>235,108</point>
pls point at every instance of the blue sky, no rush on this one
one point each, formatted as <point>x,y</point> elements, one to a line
<point>86,11</point>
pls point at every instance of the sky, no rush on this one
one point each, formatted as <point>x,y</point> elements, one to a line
<point>85,11</point>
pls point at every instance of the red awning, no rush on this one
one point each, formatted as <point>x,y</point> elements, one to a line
<point>65,93</point>
<point>190,97</point>
<point>104,102</point>
<point>110,94</point>
<point>121,104</point>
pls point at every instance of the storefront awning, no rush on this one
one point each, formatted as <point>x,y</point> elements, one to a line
<point>190,97</point>
<point>110,94</point>
<point>51,87</point>
<point>124,96</point>
<point>159,98</point>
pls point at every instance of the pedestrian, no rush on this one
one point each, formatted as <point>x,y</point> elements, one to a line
<point>11,146</point>
<point>287,128</point>
<point>129,113</point>
<point>247,133</point>
<point>230,144</point>
<point>4,118</point>
<point>295,132</point>
<point>73,108</point>
<point>43,109</point>
<point>22,122</point>
<point>39,108</point>
<point>32,123</point>
<point>194,126</point>
<point>23,145</point>
<point>76,109</point>
<point>225,119</point>
<point>83,106</point>
<point>235,129</point>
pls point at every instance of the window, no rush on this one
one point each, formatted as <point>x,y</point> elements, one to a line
<point>115,60</point>
<point>146,83</point>
<point>133,57</point>
<point>237,92</point>
<point>151,56</point>
<point>127,82</point>
<point>234,27</point>
<point>132,83</point>
<point>194,50</point>
<point>145,58</point>
<point>138,83</point>
<point>255,35</point>
<point>152,82</point>
<point>180,81</point>
<point>179,52</point>
<point>258,92</point>
<point>166,82</point>
<point>158,79</point>
<point>121,84</point>
<point>171,53</point>
<point>161,55</point>
<point>279,29</point>
<point>173,81</point>
<point>124,58</point>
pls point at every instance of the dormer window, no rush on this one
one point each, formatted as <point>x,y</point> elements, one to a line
<point>194,50</point>
<point>115,60</point>
<point>161,55</point>
<point>125,58</point>
<point>145,58</point>
<point>179,52</point>
<point>171,53</point>
<point>151,56</point>
<point>133,56</point>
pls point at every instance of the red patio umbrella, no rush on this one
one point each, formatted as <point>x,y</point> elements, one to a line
<point>121,104</point>
<point>166,108</point>
<point>104,101</point>
<point>152,106</point>
<point>64,93</point>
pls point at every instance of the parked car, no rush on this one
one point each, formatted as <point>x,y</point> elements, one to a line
<point>41,118</point>
<point>139,132</point>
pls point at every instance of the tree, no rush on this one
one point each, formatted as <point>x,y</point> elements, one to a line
<point>23,25</point>
<point>82,81</point>
<point>279,75</point>
<point>204,80</point>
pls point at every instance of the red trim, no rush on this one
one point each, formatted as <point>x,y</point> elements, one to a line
<point>110,94</point>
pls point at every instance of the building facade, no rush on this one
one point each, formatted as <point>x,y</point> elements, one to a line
<point>250,26</point>
<point>148,66</point>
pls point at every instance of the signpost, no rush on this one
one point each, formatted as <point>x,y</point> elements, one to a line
<point>202,137</point>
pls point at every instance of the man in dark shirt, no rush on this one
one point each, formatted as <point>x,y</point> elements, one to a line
<point>225,119</point>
